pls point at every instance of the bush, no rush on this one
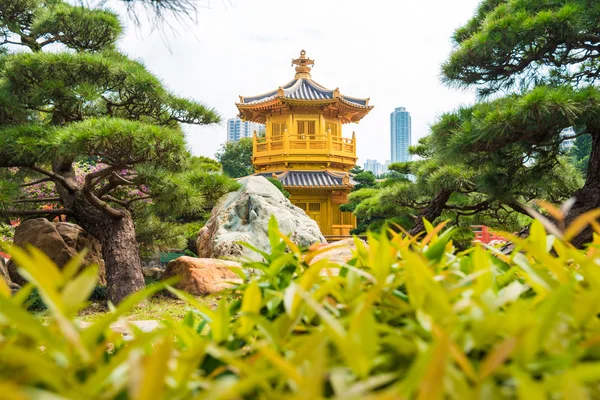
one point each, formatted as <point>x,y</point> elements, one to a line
<point>405,318</point>
<point>35,302</point>
<point>279,186</point>
<point>463,237</point>
<point>7,232</point>
<point>191,236</point>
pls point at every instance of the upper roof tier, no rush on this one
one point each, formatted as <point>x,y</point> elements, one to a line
<point>304,92</point>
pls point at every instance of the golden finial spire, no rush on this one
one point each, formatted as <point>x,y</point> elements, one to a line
<point>302,65</point>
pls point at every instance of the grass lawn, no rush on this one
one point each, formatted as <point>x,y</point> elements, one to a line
<point>156,308</point>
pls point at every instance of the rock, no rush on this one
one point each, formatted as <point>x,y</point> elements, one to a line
<point>14,288</point>
<point>243,216</point>
<point>509,247</point>
<point>202,276</point>
<point>338,252</point>
<point>61,241</point>
<point>124,327</point>
<point>4,270</point>
<point>153,273</point>
<point>151,260</point>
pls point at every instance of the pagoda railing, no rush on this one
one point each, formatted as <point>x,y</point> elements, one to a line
<point>304,144</point>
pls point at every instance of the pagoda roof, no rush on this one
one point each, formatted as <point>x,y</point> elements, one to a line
<point>312,179</point>
<point>303,91</point>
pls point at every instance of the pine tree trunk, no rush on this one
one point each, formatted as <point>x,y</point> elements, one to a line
<point>121,256</point>
<point>588,197</point>
<point>117,236</point>
<point>432,211</point>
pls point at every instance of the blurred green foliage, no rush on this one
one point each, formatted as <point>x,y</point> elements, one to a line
<point>406,317</point>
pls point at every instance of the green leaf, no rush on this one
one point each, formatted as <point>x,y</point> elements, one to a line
<point>153,371</point>
<point>77,291</point>
<point>251,304</point>
<point>435,251</point>
<point>73,265</point>
<point>23,321</point>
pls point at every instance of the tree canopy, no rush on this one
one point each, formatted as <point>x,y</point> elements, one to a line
<point>236,158</point>
<point>540,59</point>
<point>518,44</point>
<point>466,191</point>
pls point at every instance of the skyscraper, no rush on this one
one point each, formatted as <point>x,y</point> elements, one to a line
<point>373,166</point>
<point>400,134</point>
<point>376,167</point>
<point>238,129</point>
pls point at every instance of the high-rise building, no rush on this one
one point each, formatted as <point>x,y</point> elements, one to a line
<point>238,129</point>
<point>372,165</point>
<point>400,134</point>
<point>376,167</point>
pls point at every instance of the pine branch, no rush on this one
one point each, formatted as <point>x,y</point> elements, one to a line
<point>93,178</point>
<point>115,200</point>
<point>114,181</point>
<point>33,183</point>
<point>95,200</point>
<point>103,206</point>
<point>55,177</point>
<point>475,208</point>
<point>518,208</point>
<point>106,189</point>
<point>11,42</point>
<point>138,199</point>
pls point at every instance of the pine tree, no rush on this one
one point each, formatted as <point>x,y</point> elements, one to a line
<point>464,191</point>
<point>544,57</point>
<point>68,97</point>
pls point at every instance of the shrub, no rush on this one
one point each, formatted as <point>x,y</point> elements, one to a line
<point>405,318</point>
<point>36,303</point>
<point>279,186</point>
<point>463,237</point>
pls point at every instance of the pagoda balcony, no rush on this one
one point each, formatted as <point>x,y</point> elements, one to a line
<point>304,148</point>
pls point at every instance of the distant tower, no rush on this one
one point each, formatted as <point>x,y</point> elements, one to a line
<point>238,129</point>
<point>234,129</point>
<point>400,134</point>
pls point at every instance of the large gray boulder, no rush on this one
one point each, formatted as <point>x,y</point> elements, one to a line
<point>61,241</point>
<point>243,216</point>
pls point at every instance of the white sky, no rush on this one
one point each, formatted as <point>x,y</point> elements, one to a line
<point>387,50</point>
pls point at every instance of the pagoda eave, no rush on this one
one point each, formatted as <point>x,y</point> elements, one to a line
<point>346,111</point>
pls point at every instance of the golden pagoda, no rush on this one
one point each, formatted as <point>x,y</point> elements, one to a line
<point>303,146</point>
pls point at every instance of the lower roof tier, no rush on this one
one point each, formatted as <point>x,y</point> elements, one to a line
<point>312,179</point>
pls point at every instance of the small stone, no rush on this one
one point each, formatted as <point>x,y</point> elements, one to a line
<point>337,252</point>
<point>152,273</point>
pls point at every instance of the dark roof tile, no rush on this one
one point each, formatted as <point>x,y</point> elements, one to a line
<point>303,89</point>
<point>309,179</point>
